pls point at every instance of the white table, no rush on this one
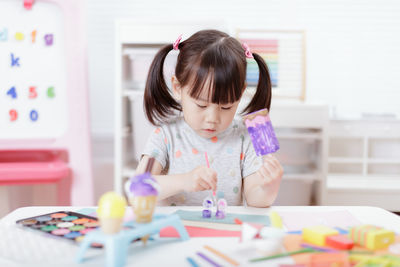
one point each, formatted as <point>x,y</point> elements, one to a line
<point>44,251</point>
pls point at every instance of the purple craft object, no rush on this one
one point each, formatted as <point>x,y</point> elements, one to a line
<point>48,38</point>
<point>206,214</point>
<point>261,132</point>
<point>221,208</point>
<point>220,214</point>
<point>144,185</point>
<point>208,203</point>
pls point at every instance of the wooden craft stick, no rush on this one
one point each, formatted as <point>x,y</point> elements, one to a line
<point>220,254</point>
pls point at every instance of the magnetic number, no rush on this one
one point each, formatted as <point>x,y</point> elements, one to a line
<point>13,115</point>
<point>33,36</point>
<point>34,115</point>
<point>50,92</point>
<point>12,92</point>
<point>32,92</point>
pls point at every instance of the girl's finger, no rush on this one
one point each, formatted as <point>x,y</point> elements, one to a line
<point>271,160</point>
<point>269,166</point>
<point>264,172</point>
<point>274,173</point>
<point>212,174</point>
<point>278,169</point>
<point>203,185</point>
<point>211,182</point>
<point>274,162</point>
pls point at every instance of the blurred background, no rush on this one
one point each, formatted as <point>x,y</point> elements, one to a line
<point>335,104</point>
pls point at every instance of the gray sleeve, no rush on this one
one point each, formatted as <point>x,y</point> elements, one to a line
<point>251,163</point>
<point>156,147</point>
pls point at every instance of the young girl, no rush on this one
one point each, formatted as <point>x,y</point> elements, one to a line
<point>207,86</point>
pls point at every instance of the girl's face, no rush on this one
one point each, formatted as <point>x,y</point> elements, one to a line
<point>205,118</point>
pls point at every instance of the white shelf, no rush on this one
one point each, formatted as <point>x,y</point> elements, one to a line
<point>359,163</point>
<point>383,161</point>
<point>363,183</point>
<point>302,176</point>
<point>345,160</point>
<point>310,136</point>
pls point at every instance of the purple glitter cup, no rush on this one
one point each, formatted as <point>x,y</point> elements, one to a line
<point>261,132</point>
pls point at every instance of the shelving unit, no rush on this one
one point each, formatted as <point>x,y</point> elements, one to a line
<point>360,166</point>
<point>303,152</point>
<point>303,143</point>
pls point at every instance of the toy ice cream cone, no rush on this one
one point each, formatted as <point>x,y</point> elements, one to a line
<point>261,132</point>
<point>142,194</point>
<point>111,212</point>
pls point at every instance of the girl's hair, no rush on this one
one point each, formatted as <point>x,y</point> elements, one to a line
<point>211,58</point>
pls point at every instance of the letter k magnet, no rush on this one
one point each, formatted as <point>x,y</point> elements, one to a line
<point>14,61</point>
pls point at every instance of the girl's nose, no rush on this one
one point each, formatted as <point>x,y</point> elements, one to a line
<point>213,115</point>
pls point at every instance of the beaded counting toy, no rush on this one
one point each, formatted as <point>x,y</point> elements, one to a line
<point>261,132</point>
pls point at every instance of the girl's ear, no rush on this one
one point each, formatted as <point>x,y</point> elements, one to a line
<point>176,88</point>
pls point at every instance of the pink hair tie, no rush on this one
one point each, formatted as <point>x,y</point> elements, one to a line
<point>175,45</point>
<point>247,51</point>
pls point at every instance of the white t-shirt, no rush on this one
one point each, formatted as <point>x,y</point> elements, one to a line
<point>179,149</point>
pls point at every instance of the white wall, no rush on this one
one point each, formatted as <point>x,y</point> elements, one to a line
<point>352,46</point>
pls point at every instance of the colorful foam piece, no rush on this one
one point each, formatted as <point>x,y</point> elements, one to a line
<point>339,242</point>
<point>371,260</point>
<point>276,220</point>
<point>329,259</point>
<point>317,234</point>
<point>372,237</point>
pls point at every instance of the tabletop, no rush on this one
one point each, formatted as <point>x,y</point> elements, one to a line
<point>20,247</point>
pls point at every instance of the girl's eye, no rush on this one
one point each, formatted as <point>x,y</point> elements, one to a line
<point>226,108</point>
<point>201,106</point>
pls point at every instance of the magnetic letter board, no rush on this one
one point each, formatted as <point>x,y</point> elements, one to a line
<point>33,100</point>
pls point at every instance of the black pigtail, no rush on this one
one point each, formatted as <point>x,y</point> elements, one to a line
<point>262,97</point>
<point>158,101</point>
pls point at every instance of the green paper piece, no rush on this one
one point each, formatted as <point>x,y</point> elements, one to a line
<point>229,218</point>
<point>306,250</point>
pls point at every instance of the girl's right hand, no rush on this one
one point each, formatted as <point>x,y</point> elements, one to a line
<point>200,179</point>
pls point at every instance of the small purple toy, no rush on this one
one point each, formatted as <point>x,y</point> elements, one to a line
<point>221,208</point>
<point>207,205</point>
<point>261,132</point>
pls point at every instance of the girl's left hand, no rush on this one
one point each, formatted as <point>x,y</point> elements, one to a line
<point>271,172</point>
